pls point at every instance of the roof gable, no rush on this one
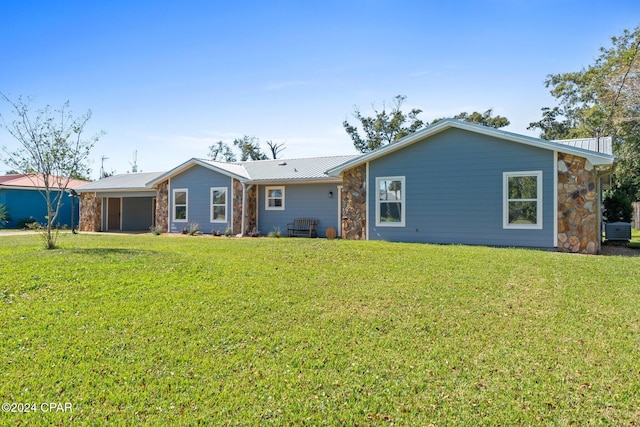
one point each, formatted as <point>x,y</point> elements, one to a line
<point>229,169</point>
<point>596,158</point>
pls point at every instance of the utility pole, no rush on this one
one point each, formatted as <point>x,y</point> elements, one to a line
<point>102,172</point>
<point>134,165</point>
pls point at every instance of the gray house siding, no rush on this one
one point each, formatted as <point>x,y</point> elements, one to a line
<point>199,181</point>
<point>301,201</point>
<point>454,190</point>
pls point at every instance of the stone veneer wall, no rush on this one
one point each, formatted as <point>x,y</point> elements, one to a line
<point>578,228</point>
<point>90,212</point>
<point>236,221</point>
<point>354,203</point>
<point>162,206</point>
<point>252,206</point>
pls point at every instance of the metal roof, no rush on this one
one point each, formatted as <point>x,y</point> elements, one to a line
<point>232,168</point>
<point>36,181</point>
<point>282,170</point>
<point>260,171</point>
<point>121,182</point>
<point>599,145</point>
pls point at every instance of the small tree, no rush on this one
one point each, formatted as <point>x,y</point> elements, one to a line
<point>52,145</point>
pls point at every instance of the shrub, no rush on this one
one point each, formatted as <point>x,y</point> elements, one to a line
<point>228,232</point>
<point>253,233</point>
<point>617,206</point>
<point>4,215</point>
<point>275,232</point>
<point>194,229</point>
<point>27,223</point>
<point>155,230</point>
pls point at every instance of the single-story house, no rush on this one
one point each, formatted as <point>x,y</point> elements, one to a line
<point>22,195</point>
<point>452,182</point>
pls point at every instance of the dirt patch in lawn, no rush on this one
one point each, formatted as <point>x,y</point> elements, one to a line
<point>612,249</point>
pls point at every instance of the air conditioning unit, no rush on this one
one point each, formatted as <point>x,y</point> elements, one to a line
<point>620,231</point>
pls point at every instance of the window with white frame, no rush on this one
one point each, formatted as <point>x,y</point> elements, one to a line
<point>390,201</point>
<point>219,204</point>
<point>180,199</point>
<point>274,198</point>
<point>522,204</point>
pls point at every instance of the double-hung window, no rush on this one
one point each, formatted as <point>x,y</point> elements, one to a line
<point>219,204</point>
<point>180,200</point>
<point>390,201</point>
<point>522,200</point>
<point>274,198</point>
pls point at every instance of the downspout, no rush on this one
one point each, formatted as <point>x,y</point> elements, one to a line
<point>366,192</point>
<point>555,199</point>
<point>339,211</point>
<point>244,208</point>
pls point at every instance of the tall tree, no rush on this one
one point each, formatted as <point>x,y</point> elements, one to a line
<point>249,148</point>
<point>221,152</point>
<point>384,127</point>
<point>602,99</point>
<point>486,119</point>
<point>275,148</point>
<point>52,144</point>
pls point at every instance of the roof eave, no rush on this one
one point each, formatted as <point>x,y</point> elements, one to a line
<point>112,189</point>
<point>327,180</point>
<point>595,158</point>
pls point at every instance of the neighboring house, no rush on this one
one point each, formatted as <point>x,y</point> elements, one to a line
<point>452,182</point>
<point>21,194</point>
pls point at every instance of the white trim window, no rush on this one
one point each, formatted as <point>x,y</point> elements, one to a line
<point>390,201</point>
<point>274,198</point>
<point>219,204</point>
<point>522,200</point>
<point>180,203</point>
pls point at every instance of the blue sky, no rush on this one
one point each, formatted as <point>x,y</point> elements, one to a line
<point>170,78</point>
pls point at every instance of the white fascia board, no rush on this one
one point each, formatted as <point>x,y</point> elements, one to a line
<point>329,180</point>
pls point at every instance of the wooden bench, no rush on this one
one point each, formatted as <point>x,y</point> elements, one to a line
<point>303,227</point>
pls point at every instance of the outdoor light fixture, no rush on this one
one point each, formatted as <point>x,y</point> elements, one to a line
<point>331,194</point>
<point>73,194</point>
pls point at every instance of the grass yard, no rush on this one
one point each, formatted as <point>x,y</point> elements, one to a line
<point>147,330</point>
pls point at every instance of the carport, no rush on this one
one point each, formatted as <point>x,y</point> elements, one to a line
<point>120,203</point>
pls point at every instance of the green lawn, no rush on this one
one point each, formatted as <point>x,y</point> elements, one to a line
<point>166,330</point>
